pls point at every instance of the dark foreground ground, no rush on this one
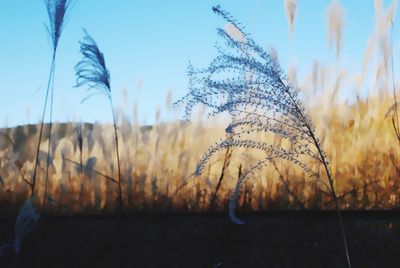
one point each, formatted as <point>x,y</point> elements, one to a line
<point>273,239</point>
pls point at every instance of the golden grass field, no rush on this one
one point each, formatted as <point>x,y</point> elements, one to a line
<point>352,111</point>
<point>359,140</point>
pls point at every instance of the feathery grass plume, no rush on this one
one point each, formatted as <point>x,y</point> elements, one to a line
<point>290,11</point>
<point>26,222</point>
<point>92,72</point>
<point>56,10</point>
<point>264,102</point>
<point>335,20</point>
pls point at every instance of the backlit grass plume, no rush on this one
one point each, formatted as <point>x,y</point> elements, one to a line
<point>57,10</point>
<point>92,72</point>
<point>249,84</point>
<point>26,222</point>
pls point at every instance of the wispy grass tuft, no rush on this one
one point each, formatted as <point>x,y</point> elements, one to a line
<point>248,83</point>
<point>92,72</point>
<point>57,11</point>
<point>26,222</point>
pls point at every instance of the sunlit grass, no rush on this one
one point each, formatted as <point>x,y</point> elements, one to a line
<point>156,161</point>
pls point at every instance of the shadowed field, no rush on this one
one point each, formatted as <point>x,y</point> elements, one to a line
<point>270,239</point>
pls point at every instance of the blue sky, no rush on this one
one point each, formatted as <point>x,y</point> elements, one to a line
<point>151,42</point>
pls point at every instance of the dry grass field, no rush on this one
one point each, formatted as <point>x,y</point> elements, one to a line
<point>158,162</point>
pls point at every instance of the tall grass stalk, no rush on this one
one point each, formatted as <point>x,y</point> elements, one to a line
<point>248,83</point>
<point>56,10</point>
<point>286,185</point>
<point>92,72</point>
<point>80,147</point>
<point>227,157</point>
<point>41,125</point>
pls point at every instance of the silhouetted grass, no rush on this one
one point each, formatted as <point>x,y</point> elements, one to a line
<point>91,71</point>
<point>56,10</point>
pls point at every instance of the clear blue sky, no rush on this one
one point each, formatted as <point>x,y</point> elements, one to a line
<point>152,42</point>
